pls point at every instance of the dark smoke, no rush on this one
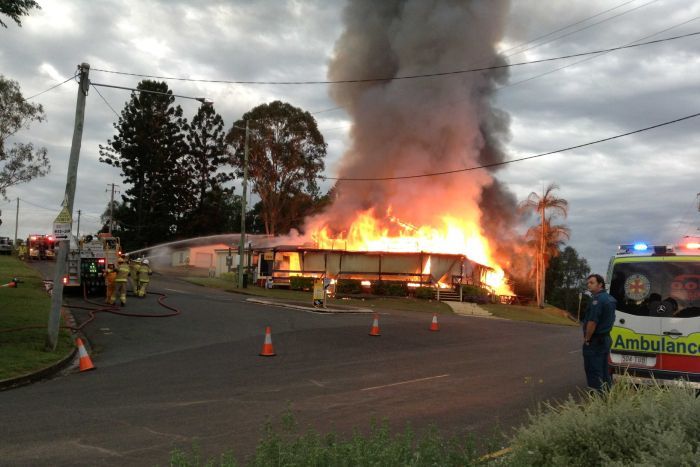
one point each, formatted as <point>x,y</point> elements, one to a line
<point>404,127</point>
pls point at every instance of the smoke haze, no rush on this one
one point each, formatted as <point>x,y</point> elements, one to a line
<point>405,127</point>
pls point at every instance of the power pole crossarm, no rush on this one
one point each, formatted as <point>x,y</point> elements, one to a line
<point>71,182</point>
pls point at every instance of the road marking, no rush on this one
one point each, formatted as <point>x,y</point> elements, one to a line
<point>404,382</point>
<point>317,383</point>
<point>178,291</point>
<point>574,351</point>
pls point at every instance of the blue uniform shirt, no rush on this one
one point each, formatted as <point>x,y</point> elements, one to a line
<point>601,310</point>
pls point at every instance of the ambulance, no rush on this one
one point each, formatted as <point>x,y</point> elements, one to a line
<point>656,335</point>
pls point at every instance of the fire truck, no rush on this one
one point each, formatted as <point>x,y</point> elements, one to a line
<point>656,335</point>
<point>88,258</point>
<point>41,247</point>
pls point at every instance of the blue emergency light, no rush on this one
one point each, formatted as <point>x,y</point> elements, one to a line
<point>639,246</point>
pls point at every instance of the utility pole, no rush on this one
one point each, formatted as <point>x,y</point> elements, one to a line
<point>111,207</point>
<point>71,181</point>
<point>77,234</point>
<point>16,221</point>
<point>241,245</point>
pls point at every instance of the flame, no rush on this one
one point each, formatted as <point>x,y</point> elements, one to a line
<point>455,236</point>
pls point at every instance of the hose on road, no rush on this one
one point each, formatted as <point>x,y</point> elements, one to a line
<point>102,308</point>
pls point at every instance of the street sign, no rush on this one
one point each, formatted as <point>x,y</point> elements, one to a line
<point>62,225</point>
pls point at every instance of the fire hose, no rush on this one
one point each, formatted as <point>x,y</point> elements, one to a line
<point>101,308</point>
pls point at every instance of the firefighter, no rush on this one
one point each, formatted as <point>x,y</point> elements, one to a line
<point>22,252</point>
<point>144,279</point>
<point>110,275</point>
<point>134,273</point>
<point>120,281</point>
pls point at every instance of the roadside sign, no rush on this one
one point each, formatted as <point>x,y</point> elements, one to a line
<point>62,225</point>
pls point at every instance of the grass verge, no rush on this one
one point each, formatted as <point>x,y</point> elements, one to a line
<point>373,302</point>
<point>23,351</point>
<point>287,445</point>
<point>630,425</point>
<point>547,315</point>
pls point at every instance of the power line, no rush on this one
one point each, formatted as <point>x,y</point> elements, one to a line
<point>591,58</point>
<point>104,100</point>
<point>531,78</point>
<point>49,89</point>
<point>495,164</point>
<point>331,109</point>
<point>583,28</point>
<point>405,77</point>
<point>567,27</point>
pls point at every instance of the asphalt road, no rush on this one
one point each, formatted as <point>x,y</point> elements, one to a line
<point>162,383</point>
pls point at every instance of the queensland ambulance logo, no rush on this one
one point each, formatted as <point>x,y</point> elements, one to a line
<point>637,287</point>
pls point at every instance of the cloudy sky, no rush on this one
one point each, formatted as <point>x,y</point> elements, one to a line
<point>642,187</point>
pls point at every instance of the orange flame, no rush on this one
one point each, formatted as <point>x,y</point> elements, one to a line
<point>456,236</point>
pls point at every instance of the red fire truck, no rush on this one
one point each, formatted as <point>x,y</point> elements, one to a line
<point>41,247</point>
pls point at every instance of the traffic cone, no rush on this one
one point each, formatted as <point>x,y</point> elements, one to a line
<point>434,326</point>
<point>85,362</point>
<point>375,326</point>
<point>9,284</point>
<point>267,349</point>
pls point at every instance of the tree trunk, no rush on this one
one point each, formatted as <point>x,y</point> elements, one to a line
<point>540,294</point>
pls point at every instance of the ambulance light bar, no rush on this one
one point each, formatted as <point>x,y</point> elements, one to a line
<point>643,248</point>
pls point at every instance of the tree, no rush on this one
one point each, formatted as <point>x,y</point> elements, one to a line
<point>286,154</point>
<point>148,148</point>
<point>204,160</point>
<point>16,9</point>
<point>22,162</point>
<point>566,279</point>
<point>542,204</point>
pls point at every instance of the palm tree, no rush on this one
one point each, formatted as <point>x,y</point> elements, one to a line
<point>542,204</point>
<point>554,238</point>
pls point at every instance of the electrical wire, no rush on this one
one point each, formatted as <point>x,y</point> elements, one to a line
<point>592,58</point>
<point>406,77</point>
<point>331,109</point>
<point>583,28</point>
<point>104,100</point>
<point>566,27</point>
<point>496,164</point>
<point>51,88</point>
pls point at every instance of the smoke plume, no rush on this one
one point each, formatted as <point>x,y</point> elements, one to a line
<point>412,126</point>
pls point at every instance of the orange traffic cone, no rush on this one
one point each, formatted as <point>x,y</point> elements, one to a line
<point>375,326</point>
<point>9,284</point>
<point>267,349</point>
<point>434,326</point>
<point>85,362</point>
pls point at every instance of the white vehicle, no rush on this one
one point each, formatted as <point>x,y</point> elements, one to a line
<point>656,335</point>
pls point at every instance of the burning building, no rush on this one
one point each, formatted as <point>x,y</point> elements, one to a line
<point>405,128</point>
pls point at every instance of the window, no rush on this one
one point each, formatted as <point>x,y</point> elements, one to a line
<point>658,288</point>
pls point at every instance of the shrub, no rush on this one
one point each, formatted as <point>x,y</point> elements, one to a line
<point>425,293</point>
<point>474,291</point>
<point>228,276</point>
<point>391,289</point>
<point>629,426</point>
<point>301,283</point>
<point>397,289</point>
<point>348,286</point>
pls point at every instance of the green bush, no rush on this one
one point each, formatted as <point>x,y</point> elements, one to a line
<point>391,289</point>
<point>425,293</point>
<point>474,291</point>
<point>348,286</point>
<point>629,426</point>
<point>301,283</point>
<point>228,276</point>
